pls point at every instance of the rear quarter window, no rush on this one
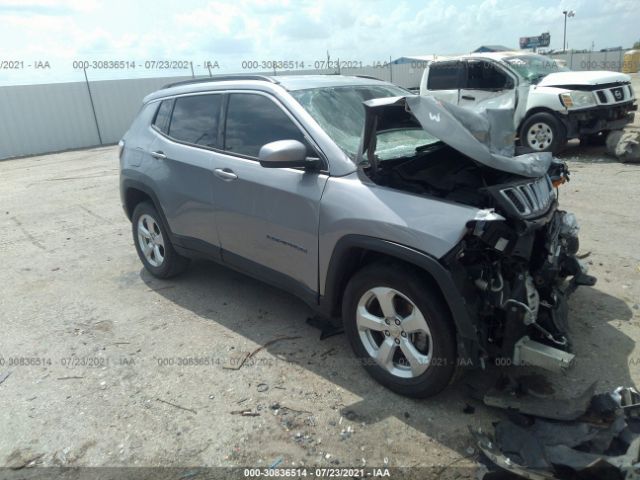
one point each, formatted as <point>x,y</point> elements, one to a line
<point>163,116</point>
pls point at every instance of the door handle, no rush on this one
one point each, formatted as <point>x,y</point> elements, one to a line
<point>468,97</point>
<point>225,174</point>
<point>158,155</point>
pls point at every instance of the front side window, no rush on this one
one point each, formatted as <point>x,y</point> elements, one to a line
<point>255,120</point>
<point>485,76</point>
<point>444,76</point>
<point>161,122</point>
<point>195,120</point>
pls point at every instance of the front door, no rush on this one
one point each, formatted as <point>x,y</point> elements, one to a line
<point>485,85</point>
<point>267,217</point>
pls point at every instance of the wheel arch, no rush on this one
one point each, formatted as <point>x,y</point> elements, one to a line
<point>352,252</point>
<point>133,193</point>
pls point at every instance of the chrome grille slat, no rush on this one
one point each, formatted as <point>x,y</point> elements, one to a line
<point>530,199</point>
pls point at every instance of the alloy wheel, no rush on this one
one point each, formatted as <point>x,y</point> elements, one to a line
<point>394,332</point>
<point>150,240</point>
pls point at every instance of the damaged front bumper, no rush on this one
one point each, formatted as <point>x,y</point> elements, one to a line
<point>598,119</point>
<point>516,274</point>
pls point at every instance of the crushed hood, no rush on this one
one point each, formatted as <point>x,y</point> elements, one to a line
<point>486,136</point>
<point>559,79</point>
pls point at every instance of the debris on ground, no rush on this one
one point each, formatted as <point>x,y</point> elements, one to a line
<point>177,406</point>
<point>276,462</point>
<point>603,443</point>
<point>625,144</point>
<point>513,397</point>
<point>237,360</point>
<point>4,376</point>
<point>247,412</point>
<point>19,459</point>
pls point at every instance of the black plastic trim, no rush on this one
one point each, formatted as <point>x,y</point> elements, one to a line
<point>442,277</point>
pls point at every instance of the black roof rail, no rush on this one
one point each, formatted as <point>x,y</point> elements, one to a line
<point>369,77</point>
<point>221,78</point>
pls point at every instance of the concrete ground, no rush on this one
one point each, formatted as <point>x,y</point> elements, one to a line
<point>109,366</point>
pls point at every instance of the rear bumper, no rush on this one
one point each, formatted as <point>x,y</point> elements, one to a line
<point>597,119</point>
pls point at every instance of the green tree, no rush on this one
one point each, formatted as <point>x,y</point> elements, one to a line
<point>637,44</point>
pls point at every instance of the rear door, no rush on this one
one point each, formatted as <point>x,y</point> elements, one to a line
<point>486,85</point>
<point>267,217</point>
<point>443,80</point>
<point>187,134</point>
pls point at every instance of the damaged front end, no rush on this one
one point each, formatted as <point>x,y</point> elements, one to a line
<point>513,273</point>
<point>516,264</point>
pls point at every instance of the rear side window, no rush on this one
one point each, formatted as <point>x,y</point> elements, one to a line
<point>195,120</point>
<point>163,116</point>
<point>254,120</point>
<point>485,76</point>
<point>444,76</point>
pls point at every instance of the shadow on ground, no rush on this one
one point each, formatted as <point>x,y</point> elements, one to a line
<point>263,313</point>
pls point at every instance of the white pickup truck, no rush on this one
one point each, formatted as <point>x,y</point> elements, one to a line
<point>551,103</point>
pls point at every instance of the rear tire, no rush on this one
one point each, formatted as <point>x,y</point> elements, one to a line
<point>153,244</point>
<point>389,309</point>
<point>543,132</point>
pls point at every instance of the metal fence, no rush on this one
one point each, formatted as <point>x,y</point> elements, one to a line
<point>36,119</point>
<point>612,61</point>
<point>45,118</point>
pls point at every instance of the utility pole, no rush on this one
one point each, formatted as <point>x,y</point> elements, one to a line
<point>567,13</point>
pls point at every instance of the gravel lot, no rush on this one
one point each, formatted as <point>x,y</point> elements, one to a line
<point>73,288</point>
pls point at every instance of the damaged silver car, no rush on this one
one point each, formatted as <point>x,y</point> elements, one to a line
<point>410,220</point>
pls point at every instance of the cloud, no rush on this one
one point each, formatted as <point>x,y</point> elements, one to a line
<point>303,30</point>
<point>46,7</point>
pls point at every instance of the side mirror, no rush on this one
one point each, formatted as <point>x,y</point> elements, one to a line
<point>285,154</point>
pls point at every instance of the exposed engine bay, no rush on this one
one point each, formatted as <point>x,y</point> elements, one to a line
<point>516,266</point>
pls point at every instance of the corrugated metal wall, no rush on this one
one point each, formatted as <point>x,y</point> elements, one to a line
<point>45,118</point>
<point>37,119</point>
<point>592,60</point>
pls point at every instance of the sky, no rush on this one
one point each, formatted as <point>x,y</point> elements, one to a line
<point>41,39</point>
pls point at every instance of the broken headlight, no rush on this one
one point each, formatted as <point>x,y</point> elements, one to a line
<point>489,227</point>
<point>577,99</point>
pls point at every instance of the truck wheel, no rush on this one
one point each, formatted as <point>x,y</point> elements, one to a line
<point>400,329</point>
<point>153,245</point>
<point>543,132</point>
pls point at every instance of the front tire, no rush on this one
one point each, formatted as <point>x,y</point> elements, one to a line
<point>543,132</point>
<point>153,245</point>
<point>400,328</point>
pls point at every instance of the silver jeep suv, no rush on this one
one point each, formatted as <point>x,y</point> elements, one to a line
<point>409,219</point>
